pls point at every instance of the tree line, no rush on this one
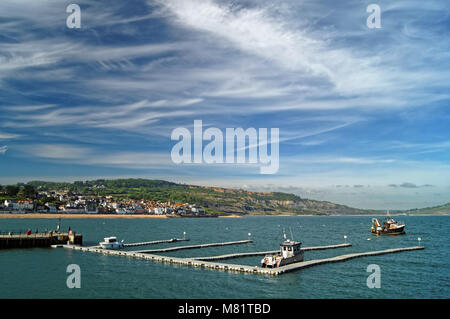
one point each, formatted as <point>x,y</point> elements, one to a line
<point>25,191</point>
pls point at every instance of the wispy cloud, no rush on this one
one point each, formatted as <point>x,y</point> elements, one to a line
<point>409,185</point>
<point>260,32</point>
<point>338,160</point>
<point>255,31</point>
<point>7,136</point>
<point>125,116</point>
<point>84,155</point>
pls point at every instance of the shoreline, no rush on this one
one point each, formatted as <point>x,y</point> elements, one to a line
<point>93,216</point>
<point>76,216</point>
<point>115,216</point>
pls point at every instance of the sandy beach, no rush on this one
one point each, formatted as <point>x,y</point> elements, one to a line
<point>81,216</point>
<point>87,216</point>
<point>130,216</point>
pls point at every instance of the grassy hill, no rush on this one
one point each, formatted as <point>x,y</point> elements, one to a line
<point>436,210</point>
<point>214,199</point>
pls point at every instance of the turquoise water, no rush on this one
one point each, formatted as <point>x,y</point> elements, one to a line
<point>41,273</point>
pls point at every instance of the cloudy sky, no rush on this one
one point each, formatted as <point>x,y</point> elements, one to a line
<point>363,113</point>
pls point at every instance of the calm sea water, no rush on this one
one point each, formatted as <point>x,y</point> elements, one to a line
<point>41,273</point>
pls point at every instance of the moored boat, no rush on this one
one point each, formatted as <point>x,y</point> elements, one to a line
<point>111,243</point>
<point>389,227</point>
<point>290,252</point>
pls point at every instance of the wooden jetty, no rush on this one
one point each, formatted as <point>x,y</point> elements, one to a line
<point>165,250</point>
<point>155,242</point>
<point>240,268</point>
<point>148,243</point>
<point>310,263</point>
<point>39,240</point>
<point>263,253</point>
<point>326,247</point>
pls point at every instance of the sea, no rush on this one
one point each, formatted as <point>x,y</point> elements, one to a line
<point>42,272</point>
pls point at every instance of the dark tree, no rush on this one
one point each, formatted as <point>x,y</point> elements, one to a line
<point>12,190</point>
<point>29,191</point>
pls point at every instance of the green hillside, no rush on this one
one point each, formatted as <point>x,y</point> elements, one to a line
<point>436,210</point>
<point>214,199</point>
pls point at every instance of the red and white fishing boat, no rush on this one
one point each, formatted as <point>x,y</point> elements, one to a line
<point>389,227</point>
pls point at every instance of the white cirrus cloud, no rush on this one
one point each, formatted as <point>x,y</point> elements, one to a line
<point>258,32</point>
<point>8,136</point>
<point>84,155</point>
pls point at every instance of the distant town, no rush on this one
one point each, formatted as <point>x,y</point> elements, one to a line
<point>66,202</point>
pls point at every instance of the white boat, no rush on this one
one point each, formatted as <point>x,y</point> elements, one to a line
<point>290,252</point>
<point>111,243</point>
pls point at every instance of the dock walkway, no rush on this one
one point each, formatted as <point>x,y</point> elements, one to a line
<point>164,250</point>
<point>263,253</point>
<point>239,268</point>
<point>310,263</point>
<point>155,242</point>
<point>148,243</point>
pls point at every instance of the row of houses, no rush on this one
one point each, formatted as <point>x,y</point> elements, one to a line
<point>27,206</point>
<point>81,205</point>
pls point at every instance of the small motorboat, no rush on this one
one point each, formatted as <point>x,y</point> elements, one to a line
<point>390,227</point>
<point>290,252</point>
<point>111,243</point>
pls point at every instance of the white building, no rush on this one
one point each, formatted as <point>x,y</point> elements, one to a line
<point>11,204</point>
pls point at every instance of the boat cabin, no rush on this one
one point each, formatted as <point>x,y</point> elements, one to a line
<point>290,248</point>
<point>290,253</point>
<point>110,239</point>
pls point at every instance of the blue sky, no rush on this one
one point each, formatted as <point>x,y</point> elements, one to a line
<point>363,113</point>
